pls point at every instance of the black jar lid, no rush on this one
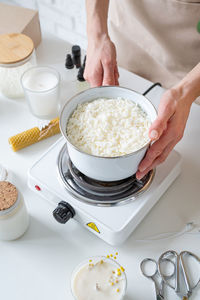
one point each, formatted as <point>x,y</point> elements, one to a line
<point>69,62</point>
<point>76,50</point>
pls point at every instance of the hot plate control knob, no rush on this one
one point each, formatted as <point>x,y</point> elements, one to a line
<point>63,212</point>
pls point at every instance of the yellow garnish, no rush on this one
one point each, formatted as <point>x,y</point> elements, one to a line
<point>101,262</point>
<point>111,255</point>
<point>108,256</point>
<point>118,290</point>
<point>112,283</point>
<point>118,270</point>
<point>122,269</point>
<point>119,273</point>
<point>91,265</point>
<point>116,253</point>
<point>115,257</point>
<point>90,260</point>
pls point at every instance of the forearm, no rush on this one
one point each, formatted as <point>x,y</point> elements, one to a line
<point>97,14</point>
<point>189,86</point>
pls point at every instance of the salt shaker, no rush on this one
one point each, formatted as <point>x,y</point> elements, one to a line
<point>14,219</point>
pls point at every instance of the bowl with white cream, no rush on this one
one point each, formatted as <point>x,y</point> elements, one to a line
<point>106,130</point>
<point>99,278</point>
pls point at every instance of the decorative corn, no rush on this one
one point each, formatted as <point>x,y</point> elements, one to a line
<point>34,135</point>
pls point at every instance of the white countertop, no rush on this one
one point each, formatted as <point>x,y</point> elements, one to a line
<point>39,265</point>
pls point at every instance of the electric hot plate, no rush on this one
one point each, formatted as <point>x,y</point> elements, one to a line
<point>94,204</point>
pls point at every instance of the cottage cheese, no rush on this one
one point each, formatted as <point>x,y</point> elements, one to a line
<point>108,127</point>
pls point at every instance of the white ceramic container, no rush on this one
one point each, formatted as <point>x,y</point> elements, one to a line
<point>105,168</point>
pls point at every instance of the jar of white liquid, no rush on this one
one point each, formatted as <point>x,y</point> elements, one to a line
<point>99,278</point>
<point>42,90</point>
<point>14,219</point>
<point>16,56</point>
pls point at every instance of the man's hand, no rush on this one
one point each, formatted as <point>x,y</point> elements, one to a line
<point>167,130</point>
<point>101,64</point>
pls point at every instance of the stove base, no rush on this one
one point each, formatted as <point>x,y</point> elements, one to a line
<point>113,224</point>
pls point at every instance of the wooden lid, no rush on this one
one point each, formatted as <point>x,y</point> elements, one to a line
<point>8,195</point>
<point>14,47</point>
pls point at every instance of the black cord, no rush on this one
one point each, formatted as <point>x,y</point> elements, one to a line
<point>151,87</point>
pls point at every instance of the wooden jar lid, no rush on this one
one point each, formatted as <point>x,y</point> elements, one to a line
<point>15,47</point>
<point>8,195</point>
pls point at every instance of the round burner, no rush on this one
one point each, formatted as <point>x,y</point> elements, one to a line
<point>99,192</point>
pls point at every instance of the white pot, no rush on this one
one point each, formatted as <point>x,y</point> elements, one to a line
<point>105,168</point>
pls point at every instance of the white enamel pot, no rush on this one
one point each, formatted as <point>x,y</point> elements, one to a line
<point>105,168</point>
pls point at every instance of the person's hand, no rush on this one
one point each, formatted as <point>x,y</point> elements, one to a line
<point>167,130</point>
<point>101,65</point>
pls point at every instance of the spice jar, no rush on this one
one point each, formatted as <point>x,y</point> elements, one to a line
<point>17,54</point>
<point>14,219</point>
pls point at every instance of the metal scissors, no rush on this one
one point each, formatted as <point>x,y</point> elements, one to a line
<point>182,290</point>
<point>154,275</point>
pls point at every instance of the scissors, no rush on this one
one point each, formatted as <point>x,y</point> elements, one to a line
<point>154,275</point>
<point>185,291</point>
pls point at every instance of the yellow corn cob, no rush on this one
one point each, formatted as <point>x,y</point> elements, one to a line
<point>34,135</point>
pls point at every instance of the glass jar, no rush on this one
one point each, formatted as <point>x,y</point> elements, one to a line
<point>14,219</point>
<point>41,86</point>
<point>5,174</point>
<point>17,55</point>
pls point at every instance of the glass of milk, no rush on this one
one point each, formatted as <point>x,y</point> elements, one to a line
<point>41,86</point>
<point>99,278</point>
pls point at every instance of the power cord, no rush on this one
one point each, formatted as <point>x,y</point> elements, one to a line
<point>168,235</point>
<point>151,87</point>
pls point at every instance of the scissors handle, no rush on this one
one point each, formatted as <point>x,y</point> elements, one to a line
<point>154,272</point>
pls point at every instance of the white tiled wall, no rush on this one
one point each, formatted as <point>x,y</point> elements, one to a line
<point>64,18</point>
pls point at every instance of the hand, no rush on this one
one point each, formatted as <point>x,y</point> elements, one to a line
<point>101,65</point>
<point>167,130</point>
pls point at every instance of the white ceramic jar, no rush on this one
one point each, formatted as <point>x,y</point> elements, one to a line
<point>14,219</point>
<point>16,56</point>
